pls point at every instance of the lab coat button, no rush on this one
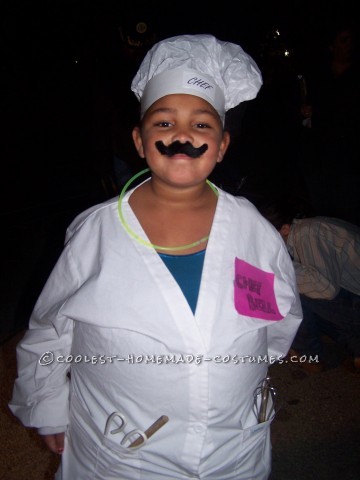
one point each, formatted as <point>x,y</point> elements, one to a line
<point>198,428</point>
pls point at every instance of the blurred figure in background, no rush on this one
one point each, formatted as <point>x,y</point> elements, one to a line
<point>326,256</point>
<point>330,154</point>
<point>272,122</point>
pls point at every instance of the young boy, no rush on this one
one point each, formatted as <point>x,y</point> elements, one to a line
<point>166,304</point>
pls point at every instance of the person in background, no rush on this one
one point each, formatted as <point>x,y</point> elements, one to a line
<point>326,256</point>
<point>330,153</point>
<point>179,293</point>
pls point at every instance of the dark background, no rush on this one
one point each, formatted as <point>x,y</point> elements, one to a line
<point>61,61</point>
<point>65,93</point>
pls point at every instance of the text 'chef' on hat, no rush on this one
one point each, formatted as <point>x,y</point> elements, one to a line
<point>201,65</point>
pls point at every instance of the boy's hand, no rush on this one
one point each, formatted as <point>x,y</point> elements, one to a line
<point>55,442</point>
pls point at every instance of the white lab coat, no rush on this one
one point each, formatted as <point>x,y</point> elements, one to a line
<point>109,295</point>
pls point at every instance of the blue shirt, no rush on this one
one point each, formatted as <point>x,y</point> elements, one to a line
<point>187,270</point>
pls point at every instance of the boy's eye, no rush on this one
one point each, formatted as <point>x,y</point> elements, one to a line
<point>163,124</point>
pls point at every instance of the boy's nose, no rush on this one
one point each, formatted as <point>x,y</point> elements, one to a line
<point>182,134</point>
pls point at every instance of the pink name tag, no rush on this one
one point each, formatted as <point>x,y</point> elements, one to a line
<point>254,292</point>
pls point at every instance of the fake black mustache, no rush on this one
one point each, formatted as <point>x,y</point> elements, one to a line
<point>178,147</point>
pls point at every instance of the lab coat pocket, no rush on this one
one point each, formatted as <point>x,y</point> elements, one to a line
<point>254,456</point>
<point>115,461</point>
<point>102,458</point>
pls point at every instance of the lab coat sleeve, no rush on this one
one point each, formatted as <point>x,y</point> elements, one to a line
<point>41,391</point>
<point>282,333</point>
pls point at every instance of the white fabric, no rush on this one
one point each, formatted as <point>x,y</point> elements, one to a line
<point>224,64</point>
<point>326,253</point>
<point>109,295</point>
<point>186,81</point>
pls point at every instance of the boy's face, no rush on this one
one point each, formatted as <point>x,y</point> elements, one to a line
<point>182,118</point>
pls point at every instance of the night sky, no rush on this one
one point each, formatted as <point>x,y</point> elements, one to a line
<point>61,61</point>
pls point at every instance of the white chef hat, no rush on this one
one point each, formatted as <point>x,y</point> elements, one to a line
<point>201,65</point>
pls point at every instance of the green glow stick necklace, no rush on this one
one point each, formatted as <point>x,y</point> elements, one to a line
<point>137,237</point>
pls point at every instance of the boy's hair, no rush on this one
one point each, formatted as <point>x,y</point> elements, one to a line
<point>281,210</point>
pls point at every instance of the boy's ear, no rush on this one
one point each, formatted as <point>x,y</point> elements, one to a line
<point>136,135</point>
<point>224,146</point>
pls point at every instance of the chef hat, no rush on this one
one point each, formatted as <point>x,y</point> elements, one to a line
<point>219,72</point>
